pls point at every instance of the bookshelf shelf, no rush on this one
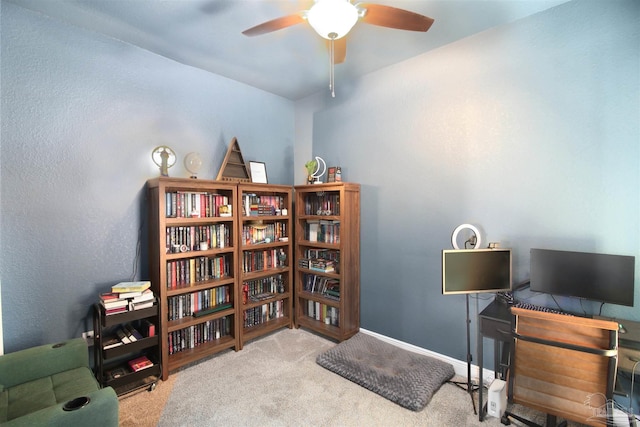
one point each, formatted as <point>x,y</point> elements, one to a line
<point>327,228</point>
<point>265,328</point>
<point>185,322</point>
<point>200,286</point>
<point>322,328</point>
<point>137,346</point>
<point>264,257</point>
<point>184,215</point>
<point>191,355</point>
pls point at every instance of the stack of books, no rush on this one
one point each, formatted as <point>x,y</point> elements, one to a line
<point>140,363</point>
<point>127,296</point>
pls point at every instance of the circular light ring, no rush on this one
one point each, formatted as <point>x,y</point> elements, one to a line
<point>454,236</point>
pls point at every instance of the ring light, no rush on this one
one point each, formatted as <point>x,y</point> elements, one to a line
<point>454,236</point>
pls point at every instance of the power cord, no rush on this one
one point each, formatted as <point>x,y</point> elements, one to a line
<point>600,311</point>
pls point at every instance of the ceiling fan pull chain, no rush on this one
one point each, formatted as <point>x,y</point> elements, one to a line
<point>332,62</point>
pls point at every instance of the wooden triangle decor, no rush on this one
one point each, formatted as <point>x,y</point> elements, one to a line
<point>233,166</point>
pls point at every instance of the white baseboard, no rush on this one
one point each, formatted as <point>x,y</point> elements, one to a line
<point>459,366</point>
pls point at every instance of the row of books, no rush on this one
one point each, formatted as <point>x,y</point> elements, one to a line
<point>316,264</point>
<point>330,254</point>
<point>128,333</point>
<point>256,209</point>
<point>196,335</point>
<point>127,296</point>
<point>263,260</point>
<point>326,286</point>
<point>322,204</point>
<point>265,285</point>
<point>253,234</point>
<point>196,238</point>
<point>185,272</point>
<point>326,314</point>
<point>134,365</point>
<point>260,205</point>
<point>189,304</point>
<point>325,231</point>
<point>183,204</point>
<point>258,315</point>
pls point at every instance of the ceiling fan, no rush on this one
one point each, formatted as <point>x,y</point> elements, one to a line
<point>333,19</point>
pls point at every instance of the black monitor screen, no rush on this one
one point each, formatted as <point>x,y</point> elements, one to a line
<point>476,270</point>
<point>598,277</point>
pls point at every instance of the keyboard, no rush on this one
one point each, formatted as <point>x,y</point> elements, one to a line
<point>529,306</point>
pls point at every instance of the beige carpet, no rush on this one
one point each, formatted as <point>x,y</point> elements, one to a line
<point>144,408</point>
<point>275,381</point>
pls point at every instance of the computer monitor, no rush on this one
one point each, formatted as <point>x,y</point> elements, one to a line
<point>593,276</point>
<point>466,271</point>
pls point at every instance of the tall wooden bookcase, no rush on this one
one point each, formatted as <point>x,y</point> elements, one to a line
<point>265,258</point>
<point>193,241</point>
<point>327,254</point>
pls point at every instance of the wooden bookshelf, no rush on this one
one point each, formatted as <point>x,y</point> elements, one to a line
<point>327,259</point>
<point>264,258</point>
<point>188,277</point>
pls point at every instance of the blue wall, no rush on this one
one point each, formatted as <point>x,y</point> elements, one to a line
<point>81,114</point>
<point>529,131</point>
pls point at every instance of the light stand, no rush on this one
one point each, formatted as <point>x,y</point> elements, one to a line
<point>469,387</point>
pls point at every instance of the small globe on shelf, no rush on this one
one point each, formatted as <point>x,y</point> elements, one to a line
<point>193,164</point>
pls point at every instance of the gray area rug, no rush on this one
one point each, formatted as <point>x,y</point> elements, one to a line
<point>404,377</point>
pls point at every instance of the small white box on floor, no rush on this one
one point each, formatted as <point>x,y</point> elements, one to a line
<point>497,398</point>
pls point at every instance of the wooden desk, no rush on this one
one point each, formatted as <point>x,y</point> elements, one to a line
<point>493,322</point>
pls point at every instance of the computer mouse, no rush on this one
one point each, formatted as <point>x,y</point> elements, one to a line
<point>621,329</point>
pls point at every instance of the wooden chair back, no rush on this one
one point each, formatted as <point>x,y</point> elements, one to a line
<point>564,366</point>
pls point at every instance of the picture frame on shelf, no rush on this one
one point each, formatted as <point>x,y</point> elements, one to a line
<point>331,174</point>
<point>258,172</point>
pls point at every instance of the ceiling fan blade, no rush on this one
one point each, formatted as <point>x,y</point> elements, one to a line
<point>391,17</point>
<point>340,49</point>
<point>274,25</point>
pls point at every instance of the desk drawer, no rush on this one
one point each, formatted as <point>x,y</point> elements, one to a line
<point>491,328</point>
<point>626,364</point>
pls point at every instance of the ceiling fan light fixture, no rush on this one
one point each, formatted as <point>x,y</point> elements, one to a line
<point>332,19</point>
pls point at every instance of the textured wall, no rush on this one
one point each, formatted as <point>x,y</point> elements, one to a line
<point>529,131</point>
<point>80,116</point>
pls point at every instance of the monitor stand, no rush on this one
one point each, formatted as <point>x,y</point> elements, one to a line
<point>469,387</point>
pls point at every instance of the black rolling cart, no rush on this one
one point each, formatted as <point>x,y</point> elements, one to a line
<point>111,365</point>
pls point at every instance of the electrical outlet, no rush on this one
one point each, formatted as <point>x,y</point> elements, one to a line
<point>87,335</point>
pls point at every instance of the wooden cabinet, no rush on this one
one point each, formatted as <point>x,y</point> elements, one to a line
<point>327,254</point>
<point>265,257</point>
<point>193,241</point>
<point>111,362</point>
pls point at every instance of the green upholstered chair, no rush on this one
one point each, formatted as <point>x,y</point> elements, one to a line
<point>53,385</point>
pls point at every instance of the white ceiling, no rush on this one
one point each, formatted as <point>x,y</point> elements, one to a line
<point>292,62</point>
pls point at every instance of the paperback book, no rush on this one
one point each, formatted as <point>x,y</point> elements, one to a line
<point>123,287</point>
